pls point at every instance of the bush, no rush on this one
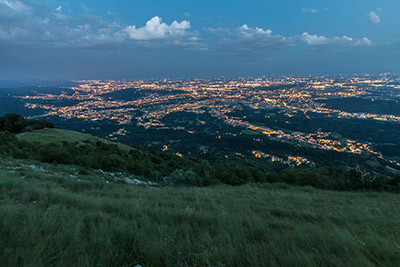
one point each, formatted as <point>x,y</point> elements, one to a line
<point>14,123</point>
<point>181,177</point>
<point>40,124</point>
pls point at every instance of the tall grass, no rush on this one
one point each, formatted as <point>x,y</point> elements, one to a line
<point>56,220</point>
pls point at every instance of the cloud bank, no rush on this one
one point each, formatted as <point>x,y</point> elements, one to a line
<point>315,40</point>
<point>248,39</point>
<point>30,25</point>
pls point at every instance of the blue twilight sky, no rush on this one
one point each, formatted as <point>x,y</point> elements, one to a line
<point>108,39</point>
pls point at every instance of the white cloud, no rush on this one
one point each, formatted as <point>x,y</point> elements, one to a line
<point>245,39</point>
<point>33,26</point>
<point>315,40</point>
<point>310,10</point>
<point>15,5</point>
<point>363,41</point>
<point>155,29</point>
<point>345,40</point>
<point>194,39</point>
<point>373,17</point>
<point>247,32</point>
<point>258,38</point>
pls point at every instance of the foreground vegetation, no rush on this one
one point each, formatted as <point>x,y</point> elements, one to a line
<point>53,216</point>
<point>68,199</point>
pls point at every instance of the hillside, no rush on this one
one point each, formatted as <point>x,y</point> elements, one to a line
<point>47,136</point>
<point>33,140</point>
<point>50,215</point>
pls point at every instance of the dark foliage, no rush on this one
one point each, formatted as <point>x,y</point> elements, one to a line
<point>170,169</point>
<point>40,124</point>
<point>15,123</point>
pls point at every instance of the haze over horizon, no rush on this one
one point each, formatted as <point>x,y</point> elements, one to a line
<point>156,39</point>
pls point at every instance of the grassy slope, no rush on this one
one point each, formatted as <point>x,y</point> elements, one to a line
<point>58,135</point>
<point>50,215</point>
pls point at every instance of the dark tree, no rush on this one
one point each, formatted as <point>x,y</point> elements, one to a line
<point>2,124</point>
<point>14,123</point>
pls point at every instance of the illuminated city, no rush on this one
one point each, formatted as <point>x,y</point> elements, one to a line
<point>145,103</point>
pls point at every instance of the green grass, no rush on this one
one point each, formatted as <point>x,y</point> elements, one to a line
<point>52,135</point>
<point>52,216</point>
<point>47,136</point>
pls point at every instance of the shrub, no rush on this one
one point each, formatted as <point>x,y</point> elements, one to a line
<point>40,124</point>
<point>14,123</point>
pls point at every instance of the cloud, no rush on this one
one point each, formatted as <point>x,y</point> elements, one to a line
<point>36,26</point>
<point>348,41</point>
<point>363,41</point>
<point>14,32</point>
<point>219,30</point>
<point>315,40</point>
<point>155,29</point>
<point>15,5</point>
<point>259,38</point>
<point>310,10</point>
<point>247,39</point>
<point>30,25</point>
<point>373,17</point>
<point>247,32</point>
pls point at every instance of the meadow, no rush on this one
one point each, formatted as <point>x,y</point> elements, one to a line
<point>53,215</point>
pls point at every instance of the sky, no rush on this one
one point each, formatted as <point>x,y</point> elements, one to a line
<point>130,39</point>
